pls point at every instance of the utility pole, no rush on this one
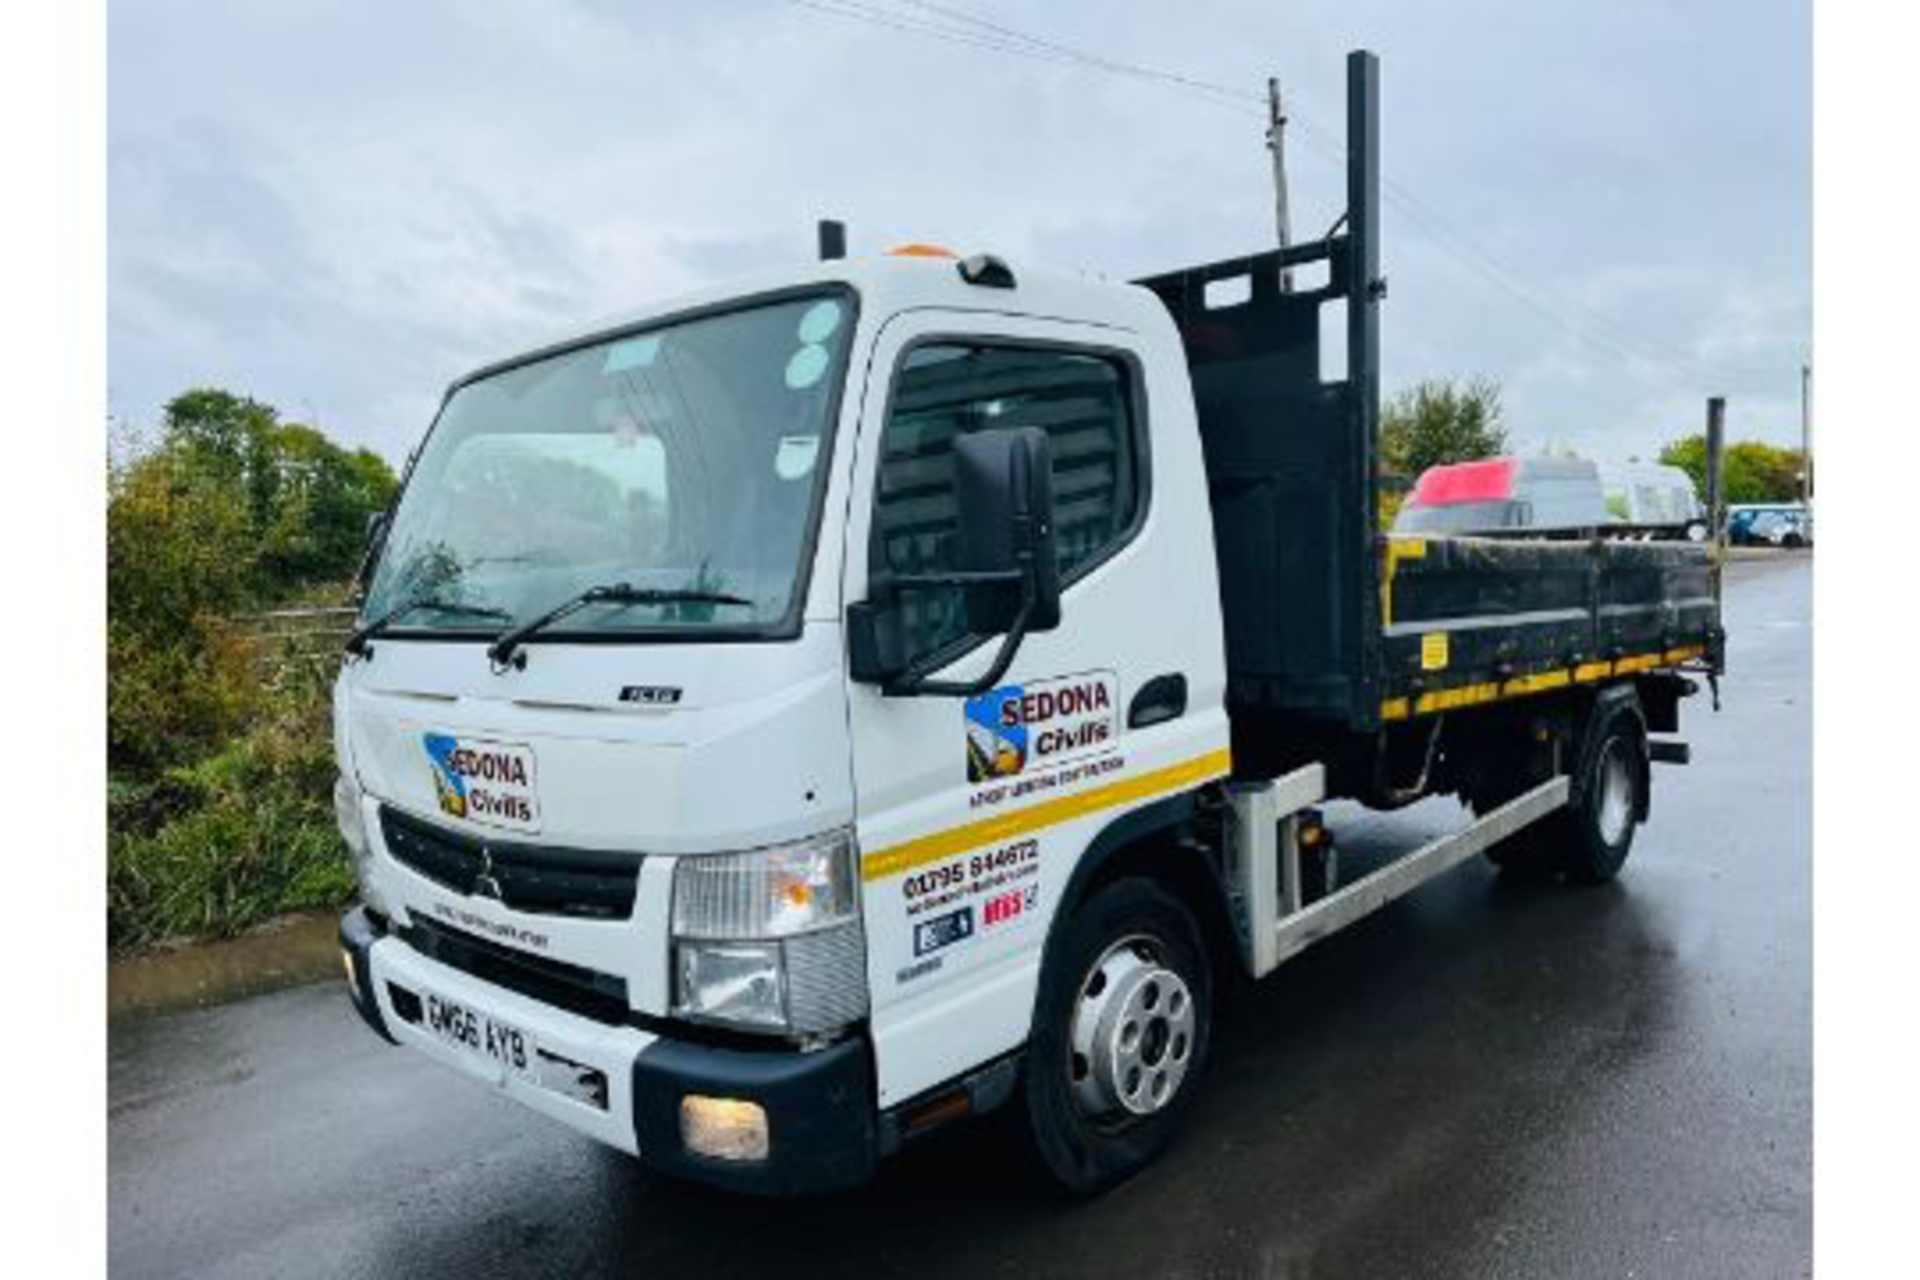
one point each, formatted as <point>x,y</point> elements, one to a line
<point>1806,436</point>
<point>1716,442</point>
<point>1716,495</point>
<point>1277,144</point>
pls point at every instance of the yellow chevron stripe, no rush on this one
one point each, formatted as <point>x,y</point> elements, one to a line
<point>1007,826</point>
<point>1473,695</point>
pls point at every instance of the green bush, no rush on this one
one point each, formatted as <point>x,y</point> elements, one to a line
<point>238,836</point>
<point>179,563</point>
<point>220,758</point>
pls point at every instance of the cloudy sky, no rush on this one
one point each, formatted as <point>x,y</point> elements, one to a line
<point>337,205</point>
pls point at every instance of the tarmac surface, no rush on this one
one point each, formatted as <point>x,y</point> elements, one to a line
<point>1482,1080</point>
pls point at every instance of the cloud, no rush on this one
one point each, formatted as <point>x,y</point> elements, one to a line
<point>338,208</point>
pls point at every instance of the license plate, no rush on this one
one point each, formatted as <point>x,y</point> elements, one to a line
<point>503,1045</point>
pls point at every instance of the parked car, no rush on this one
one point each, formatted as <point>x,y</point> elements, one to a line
<point>1505,493</point>
<point>1657,498</point>
<point>1782,529</point>
<point>1743,517</point>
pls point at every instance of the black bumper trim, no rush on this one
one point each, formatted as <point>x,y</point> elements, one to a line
<point>820,1114</point>
<point>358,933</point>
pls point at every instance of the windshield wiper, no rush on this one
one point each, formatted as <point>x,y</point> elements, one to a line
<point>358,638</point>
<point>503,649</point>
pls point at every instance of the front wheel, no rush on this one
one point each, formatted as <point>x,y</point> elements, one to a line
<point>1121,1030</point>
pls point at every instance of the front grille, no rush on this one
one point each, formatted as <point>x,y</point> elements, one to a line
<point>532,878</point>
<point>587,992</point>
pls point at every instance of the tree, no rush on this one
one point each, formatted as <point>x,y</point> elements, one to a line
<point>306,499</point>
<point>1436,422</point>
<point>1754,472</point>
<point>218,810</point>
<point>179,563</point>
<point>233,511</point>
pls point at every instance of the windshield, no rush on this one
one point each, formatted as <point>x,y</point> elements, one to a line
<point>684,459</point>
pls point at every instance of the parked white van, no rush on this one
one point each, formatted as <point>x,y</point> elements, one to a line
<point>1653,496</point>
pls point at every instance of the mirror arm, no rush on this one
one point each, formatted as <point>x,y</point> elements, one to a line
<point>913,681</point>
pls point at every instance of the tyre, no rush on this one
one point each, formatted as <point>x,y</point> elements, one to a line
<point>1588,840</point>
<point>1121,1031</point>
<point>1595,831</point>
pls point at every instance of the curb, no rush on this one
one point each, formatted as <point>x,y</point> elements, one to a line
<point>287,952</point>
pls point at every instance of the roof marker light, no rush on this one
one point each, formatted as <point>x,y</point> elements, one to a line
<point>987,271</point>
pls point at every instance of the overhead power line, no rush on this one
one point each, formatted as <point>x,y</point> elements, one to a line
<point>1599,332</point>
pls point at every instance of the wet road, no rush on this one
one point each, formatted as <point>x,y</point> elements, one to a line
<point>1482,1080</point>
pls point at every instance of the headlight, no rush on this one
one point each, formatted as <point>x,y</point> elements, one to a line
<point>350,813</point>
<point>771,938</point>
<point>743,982</point>
<point>774,892</point>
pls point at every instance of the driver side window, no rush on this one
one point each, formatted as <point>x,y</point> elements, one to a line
<point>943,390</point>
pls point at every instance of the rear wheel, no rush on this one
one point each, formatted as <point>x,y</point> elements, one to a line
<point>1588,840</point>
<point>1596,829</point>
<point>1121,1030</point>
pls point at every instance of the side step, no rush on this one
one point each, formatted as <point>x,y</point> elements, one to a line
<point>1266,859</point>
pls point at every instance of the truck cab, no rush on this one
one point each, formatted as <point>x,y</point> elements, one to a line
<point>672,837</point>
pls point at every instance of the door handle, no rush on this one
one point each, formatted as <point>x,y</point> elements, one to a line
<point>1160,699</point>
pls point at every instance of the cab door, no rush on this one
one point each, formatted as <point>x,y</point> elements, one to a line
<point>972,811</point>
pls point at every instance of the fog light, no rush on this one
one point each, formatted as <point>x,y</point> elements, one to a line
<point>723,1128</point>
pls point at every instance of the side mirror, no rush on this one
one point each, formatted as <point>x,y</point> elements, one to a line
<point>1003,487</point>
<point>1008,571</point>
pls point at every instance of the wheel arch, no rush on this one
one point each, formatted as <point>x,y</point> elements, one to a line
<point>1158,841</point>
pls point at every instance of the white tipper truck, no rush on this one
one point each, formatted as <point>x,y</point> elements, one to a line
<point>800,716</point>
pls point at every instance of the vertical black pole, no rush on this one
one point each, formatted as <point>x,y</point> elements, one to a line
<point>833,240</point>
<point>1716,447</point>
<point>1364,291</point>
<point>1716,507</point>
<point>1365,288</point>
<point>1806,436</point>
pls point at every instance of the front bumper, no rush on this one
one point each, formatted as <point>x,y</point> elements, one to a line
<point>624,1085</point>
